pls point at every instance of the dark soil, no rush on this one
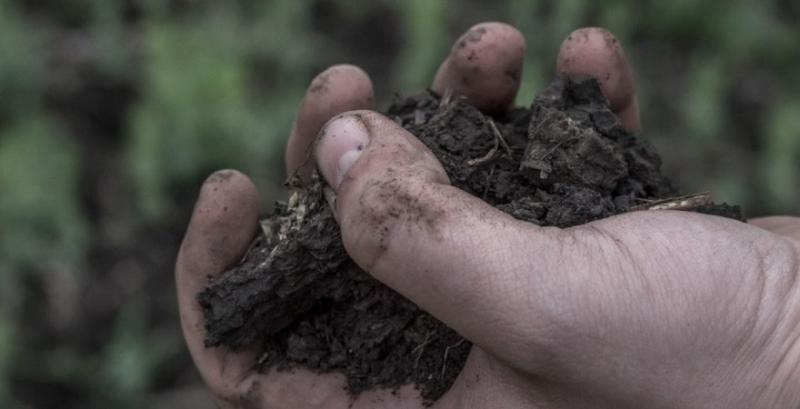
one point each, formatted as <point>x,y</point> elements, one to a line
<point>299,298</point>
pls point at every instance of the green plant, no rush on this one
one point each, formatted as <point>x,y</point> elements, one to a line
<point>781,175</point>
<point>425,43</point>
<point>198,110</point>
<point>39,208</point>
<point>21,64</point>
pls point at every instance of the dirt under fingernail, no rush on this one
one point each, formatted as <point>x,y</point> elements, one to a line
<point>299,300</point>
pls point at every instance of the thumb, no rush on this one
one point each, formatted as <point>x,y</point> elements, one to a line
<point>449,252</point>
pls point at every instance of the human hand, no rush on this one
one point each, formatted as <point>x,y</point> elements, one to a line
<point>648,309</point>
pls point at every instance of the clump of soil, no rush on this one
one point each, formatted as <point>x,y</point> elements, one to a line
<point>300,300</point>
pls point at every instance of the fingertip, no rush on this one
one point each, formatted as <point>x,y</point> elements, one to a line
<point>596,52</point>
<point>338,89</point>
<point>484,66</point>
<point>221,228</point>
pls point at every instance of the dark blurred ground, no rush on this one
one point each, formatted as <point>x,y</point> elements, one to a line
<point>112,112</point>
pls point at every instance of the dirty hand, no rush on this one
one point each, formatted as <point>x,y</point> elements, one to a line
<point>654,309</point>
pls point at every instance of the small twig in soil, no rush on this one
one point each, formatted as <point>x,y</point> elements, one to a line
<point>539,162</point>
<point>551,151</point>
<point>493,153</point>
<point>488,182</point>
<point>421,348</point>
<point>446,353</point>
<point>447,98</point>
<point>250,249</point>
<point>486,158</point>
<point>419,117</point>
<point>688,202</point>
<point>262,358</point>
<point>499,135</point>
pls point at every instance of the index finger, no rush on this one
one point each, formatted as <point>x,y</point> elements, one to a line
<point>338,89</point>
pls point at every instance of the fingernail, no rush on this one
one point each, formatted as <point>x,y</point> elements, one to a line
<point>341,143</point>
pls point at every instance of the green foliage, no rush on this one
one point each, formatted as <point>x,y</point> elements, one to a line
<point>107,28</point>
<point>523,15</point>
<point>781,176</point>
<point>199,113</point>
<point>6,352</point>
<point>21,73</point>
<point>193,115</point>
<point>43,226</point>
<point>426,43</point>
<point>703,105</point>
<point>130,359</point>
<point>39,208</point>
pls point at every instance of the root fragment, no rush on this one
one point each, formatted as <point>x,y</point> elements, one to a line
<point>494,153</point>
<point>688,202</point>
<point>446,353</point>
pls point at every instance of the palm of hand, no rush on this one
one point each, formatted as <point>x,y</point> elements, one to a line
<point>649,309</point>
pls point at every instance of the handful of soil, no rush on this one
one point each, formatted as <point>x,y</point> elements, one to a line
<point>299,299</point>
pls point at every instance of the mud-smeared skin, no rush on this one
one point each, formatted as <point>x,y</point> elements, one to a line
<point>299,299</point>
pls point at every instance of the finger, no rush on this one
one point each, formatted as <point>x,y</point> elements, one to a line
<point>596,52</point>
<point>449,252</point>
<point>223,224</point>
<point>338,89</point>
<point>786,226</point>
<point>485,66</point>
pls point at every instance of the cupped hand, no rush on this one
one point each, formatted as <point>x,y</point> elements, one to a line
<point>651,309</point>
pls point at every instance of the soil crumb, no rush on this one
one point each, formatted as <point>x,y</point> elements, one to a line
<point>302,302</point>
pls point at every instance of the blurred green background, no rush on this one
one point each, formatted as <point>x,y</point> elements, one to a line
<point>112,112</point>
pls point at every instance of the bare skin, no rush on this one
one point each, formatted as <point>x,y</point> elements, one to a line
<point>655,309</point>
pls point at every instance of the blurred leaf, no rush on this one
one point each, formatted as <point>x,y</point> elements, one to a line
<point>567,17</point>
<point>195,114</point>
<point>523,14</point>
<point>426,43</point>
<point>21,63</point>
<point>781,157</point>
<point>685,19</point>
<point>281,30</point>
<point>6,352</point>
<point>703,105</point>
<point>619,18</point>
<point>108,32</point>
<point>39,206</point>
<point>730,189</point>
<point>130,358</point>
